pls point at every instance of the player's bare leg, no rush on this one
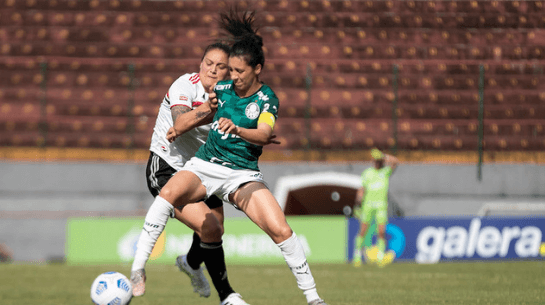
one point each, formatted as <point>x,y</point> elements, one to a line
<point>358,244</point>
<point>157,217</point>
<point>190,263</point>
<point>257,201</point>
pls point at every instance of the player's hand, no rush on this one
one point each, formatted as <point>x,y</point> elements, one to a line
<point>213,100</point>
<point>272,140</point>
<point>171,135</point>
<point>227,126</point>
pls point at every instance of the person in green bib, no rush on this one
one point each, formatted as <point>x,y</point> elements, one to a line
<point>373,197</point>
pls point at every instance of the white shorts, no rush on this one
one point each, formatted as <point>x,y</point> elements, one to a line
<point>221,180</point>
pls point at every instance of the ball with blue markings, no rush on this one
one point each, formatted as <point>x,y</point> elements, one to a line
<point>111,288</point>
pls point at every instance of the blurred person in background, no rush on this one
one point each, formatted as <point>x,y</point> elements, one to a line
<point>187,109</point>
<point>373,198</point>
<point>5,254</point>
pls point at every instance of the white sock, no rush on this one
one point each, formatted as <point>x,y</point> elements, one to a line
<point>294,255</point>
<point>357,253</point>
<point>154,224</point>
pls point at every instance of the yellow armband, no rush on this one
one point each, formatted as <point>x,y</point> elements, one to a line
<point>267,118</point>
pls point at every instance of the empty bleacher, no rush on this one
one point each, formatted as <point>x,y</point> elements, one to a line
<point>93,73</point>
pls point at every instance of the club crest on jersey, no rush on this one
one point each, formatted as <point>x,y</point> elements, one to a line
<point>252,111</point>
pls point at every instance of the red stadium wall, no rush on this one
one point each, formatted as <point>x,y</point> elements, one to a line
<point>84,79</point>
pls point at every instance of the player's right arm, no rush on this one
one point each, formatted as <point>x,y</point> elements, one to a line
<point>361,191</point>
<point>185,118</point>
<point>359,196</point>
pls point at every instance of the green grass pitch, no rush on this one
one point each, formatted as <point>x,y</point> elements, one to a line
<point>520,282</point>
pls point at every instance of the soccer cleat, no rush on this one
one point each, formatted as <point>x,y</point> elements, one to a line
<point>370,255</point>
<point>198,280</point>
<point>138,281</point>
<point>356,261</point>
<point>317,302</point>
<point>387,259</point>
<point>234,299</point>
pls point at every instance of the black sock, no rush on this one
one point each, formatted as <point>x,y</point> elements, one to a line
<point>214,259</point>
<point>195,256</point>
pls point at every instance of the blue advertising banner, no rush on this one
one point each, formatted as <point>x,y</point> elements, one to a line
<point>429,241</point>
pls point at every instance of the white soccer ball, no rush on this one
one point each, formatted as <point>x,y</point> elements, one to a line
<point>111,288</point>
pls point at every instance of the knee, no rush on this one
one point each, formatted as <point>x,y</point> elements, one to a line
<point>173,195</point>
<point>167,193</point>
<point>211,231</point>
<point>363,229</point>
<point>281,233</point>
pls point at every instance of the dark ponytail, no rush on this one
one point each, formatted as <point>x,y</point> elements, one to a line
<point>243,35</point>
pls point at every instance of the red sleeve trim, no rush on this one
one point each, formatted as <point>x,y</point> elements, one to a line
<point>179,105</point>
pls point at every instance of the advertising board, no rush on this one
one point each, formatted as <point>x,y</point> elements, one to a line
<point>445,239</point>
<point>113,240</point>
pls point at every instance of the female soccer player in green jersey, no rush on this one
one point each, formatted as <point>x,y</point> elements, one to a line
<point>373,196</point>
<point>186,108</point>
<point>227,164</point>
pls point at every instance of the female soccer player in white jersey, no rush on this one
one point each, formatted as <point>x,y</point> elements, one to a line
<point>186,109</point>
<point>226,165</point>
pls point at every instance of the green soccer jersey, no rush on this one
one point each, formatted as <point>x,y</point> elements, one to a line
<point>376,183</point>
<point>231,150</point>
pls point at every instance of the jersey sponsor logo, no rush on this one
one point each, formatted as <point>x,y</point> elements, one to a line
<point>224,135</point>
<point>252,111</point>
<point>222,87</point>
<point>263,96</point>
<point>195,79</point>
<point>377,185</point>
<point>183,98</point>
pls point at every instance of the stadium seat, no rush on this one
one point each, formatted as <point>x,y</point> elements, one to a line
<point>22,139</point>
<point>86,96</point>
<point>20,109</point>
<point>285,80</point>
<point>93,49</point>
<point>439,143</point>
<point>501,143</point>
<point>87,124</point>
<point>91,79</point>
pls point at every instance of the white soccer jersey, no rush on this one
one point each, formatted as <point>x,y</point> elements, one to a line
<point>187,90</point>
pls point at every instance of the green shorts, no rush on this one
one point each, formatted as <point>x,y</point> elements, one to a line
<point>369,212</point>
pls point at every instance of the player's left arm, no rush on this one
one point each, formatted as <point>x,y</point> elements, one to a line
<point>391,161</point>
<point>262,135</point>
